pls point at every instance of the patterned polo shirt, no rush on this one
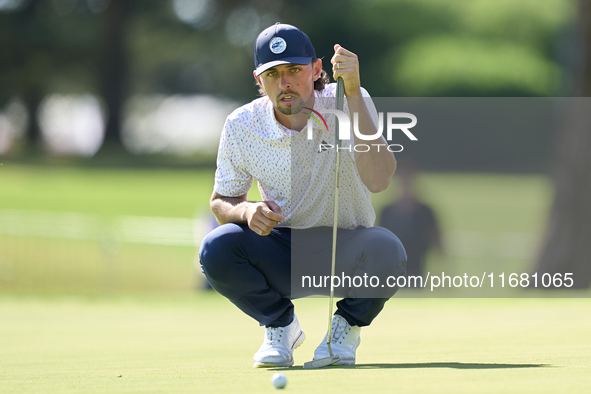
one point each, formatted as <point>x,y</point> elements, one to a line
<point>291,169</point>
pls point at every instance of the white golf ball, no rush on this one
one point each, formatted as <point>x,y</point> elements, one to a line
<point>279,380</point>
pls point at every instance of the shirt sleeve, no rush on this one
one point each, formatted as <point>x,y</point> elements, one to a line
<point>231,177</point>
<point>372,112</point>
<point>370,106</point>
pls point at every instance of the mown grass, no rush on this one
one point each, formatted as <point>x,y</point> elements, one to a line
<point>203,344</point>
<point>132,321</point>
<point>494,207</point>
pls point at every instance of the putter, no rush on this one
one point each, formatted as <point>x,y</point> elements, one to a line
<point>332,358</point>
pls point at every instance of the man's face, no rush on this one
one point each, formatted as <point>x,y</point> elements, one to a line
<point>290,86</point>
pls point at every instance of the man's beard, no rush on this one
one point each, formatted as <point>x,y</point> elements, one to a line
<point>296,106</point>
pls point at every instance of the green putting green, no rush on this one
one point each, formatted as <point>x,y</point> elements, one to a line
<point>140,327</point>
<point>202,344</point>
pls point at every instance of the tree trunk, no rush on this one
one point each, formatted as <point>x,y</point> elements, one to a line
<point>114,70</point>
<point>567,246</point>
<point>33,91</point>
<point>32,99</point>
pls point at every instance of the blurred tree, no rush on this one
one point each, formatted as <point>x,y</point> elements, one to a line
<point>113,71</point>
<point>436,48</point>
<point>40,54</point>
<point>567,245</point>
<point>120,48</point>
<point>433,48</point>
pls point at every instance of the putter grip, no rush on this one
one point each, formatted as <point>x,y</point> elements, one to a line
<point>340,101</point>
<point>340,93</point>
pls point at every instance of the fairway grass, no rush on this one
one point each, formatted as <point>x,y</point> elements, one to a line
<point>181,342</point>
<point>202,343</point>
<point>489,223</point>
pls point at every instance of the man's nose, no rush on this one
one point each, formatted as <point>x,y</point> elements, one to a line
<point>285,81</point>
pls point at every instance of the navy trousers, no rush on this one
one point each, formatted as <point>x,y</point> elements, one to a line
<point>255,272</point>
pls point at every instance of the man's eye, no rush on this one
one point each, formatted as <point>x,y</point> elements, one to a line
<point>295,70</point>
<point>271,74</point>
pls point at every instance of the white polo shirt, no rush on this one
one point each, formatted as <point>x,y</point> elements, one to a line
<point>290,169</point>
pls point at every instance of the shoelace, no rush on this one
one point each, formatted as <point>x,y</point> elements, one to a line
<point>339,330</point>
<point>274,333</point>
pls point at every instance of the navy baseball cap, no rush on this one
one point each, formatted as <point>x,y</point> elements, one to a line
<point>282,44</point>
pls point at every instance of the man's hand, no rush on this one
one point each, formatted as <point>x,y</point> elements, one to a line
<point>262,217</point>
<point>345,64</point>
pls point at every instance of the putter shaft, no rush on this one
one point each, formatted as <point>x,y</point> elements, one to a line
<point>323,362</point>
<point>340,95</point>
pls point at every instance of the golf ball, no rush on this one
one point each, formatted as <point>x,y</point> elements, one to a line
<point>279,380</point>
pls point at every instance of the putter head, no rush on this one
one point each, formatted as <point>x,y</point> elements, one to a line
<point>322,362</point>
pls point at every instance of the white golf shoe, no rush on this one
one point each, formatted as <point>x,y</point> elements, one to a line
<point>278,346</point>
<point>344,343</point>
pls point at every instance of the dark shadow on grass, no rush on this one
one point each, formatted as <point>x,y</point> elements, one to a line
<point>452,365</point>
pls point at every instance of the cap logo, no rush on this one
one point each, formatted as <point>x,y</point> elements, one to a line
<point>277,45</point>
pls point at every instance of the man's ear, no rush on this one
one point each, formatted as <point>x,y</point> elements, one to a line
<point>317,65</point>
<point>259,83</point>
